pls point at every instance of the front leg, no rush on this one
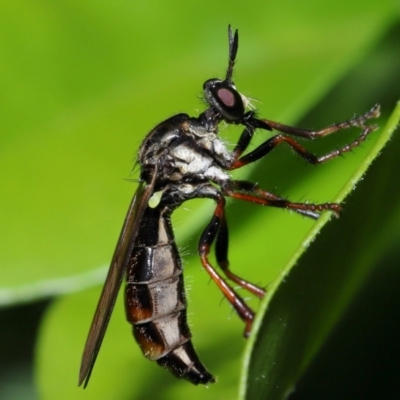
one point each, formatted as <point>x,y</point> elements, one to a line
<point>251,123</point>
<point>266,147</point>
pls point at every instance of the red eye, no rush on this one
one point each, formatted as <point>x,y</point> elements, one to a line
<point>226,97</point>
<point>223,96</point>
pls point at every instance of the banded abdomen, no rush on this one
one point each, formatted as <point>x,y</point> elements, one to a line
<point>155,299</point>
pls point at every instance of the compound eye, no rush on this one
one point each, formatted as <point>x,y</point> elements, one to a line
<point>223,96</point>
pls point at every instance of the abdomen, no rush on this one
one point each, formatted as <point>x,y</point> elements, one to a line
<point>155,300</point>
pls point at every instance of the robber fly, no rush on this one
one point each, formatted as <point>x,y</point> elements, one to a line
<point>183,158</point>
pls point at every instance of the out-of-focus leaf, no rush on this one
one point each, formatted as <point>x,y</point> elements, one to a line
<point>82,83</point>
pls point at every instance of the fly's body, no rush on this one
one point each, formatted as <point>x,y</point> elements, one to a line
<point>155,297</point>
<point>181,159</point>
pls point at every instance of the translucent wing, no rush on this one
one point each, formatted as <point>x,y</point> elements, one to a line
<point>114,278</point>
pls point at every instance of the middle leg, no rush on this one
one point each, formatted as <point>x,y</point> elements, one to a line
<point>244,190</point>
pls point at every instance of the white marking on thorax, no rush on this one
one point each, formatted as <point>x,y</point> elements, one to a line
<point>192,161</point>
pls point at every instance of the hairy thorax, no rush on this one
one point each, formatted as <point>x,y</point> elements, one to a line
<point>185,150</point>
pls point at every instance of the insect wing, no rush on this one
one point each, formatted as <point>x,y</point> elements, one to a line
<point>114,279</point>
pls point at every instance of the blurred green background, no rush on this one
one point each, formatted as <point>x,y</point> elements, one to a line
<point>81,83</point>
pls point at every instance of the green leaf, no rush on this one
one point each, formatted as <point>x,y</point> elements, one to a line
<point>313,292</point>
